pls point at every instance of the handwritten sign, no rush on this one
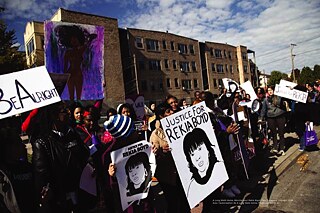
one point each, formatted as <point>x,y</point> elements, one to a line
<point>293,94</point>
<point>137,103</point>
<point>136,164</point>
<point>26,90</point>
<point>195,151</point>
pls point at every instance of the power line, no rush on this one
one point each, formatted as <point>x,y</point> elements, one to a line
<point>310,39</point>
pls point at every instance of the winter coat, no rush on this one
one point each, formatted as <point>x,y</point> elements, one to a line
<point>166,171</point>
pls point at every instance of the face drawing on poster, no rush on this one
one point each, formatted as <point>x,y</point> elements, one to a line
<point>200,155</point>
<point>138,172</point>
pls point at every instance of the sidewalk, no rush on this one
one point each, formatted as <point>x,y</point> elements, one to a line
<point>252,189</point>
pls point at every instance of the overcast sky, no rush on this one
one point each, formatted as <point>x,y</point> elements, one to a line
<point>267,27</point>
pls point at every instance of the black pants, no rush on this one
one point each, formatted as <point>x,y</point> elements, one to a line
<point>277,126</point>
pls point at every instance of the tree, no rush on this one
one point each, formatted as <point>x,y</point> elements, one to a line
<point>306,76</point>
<point>11,59</point>
<point>275,77</point>
<point>316,72</point>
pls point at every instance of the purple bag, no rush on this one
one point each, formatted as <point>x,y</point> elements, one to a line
<point>310,136</point>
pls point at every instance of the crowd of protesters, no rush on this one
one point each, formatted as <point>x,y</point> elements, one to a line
<point>67,139</point>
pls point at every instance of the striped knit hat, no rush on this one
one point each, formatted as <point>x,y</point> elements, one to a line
<point>119,126</point>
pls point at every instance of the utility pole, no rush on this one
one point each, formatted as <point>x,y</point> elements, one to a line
<point>292,62</point>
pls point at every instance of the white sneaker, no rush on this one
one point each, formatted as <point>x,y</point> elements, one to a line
<point>274,151</point>
<point>235,190</point>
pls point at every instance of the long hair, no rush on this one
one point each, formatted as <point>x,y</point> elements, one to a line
<point>134,160</point>
<point>190,143</point>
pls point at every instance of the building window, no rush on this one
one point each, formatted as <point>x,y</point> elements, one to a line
<point>176,82</point>
<point>231,70</point>
<point>224,53</point>
<point>217,53</point>
<point>229,55</point>
<point>152,45</point>
<point>168,83</point>
<point>211,51</point>
<point>141,65</point>
<point>219,68</point>
<point>139,42</point>
<point>172,45</point>
<point>164,44</point>
<point>186,84</point>
<point>183,49</point>
<point>226,67</point>
<point>195,83</point>
<point>30,46</point>
<point>193,66</point>
<point>220,83</point>
<point>166,63</point>
<point>244,56</point>
<point>154,65</point>
<point>245,68</point>
<point>174,64</point>
<point>191,49</point>
<point>215,85</point>
<point>213,67</point>
<point>144,86</point>
<point>184,66</point>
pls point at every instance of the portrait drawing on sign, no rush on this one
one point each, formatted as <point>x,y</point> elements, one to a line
<point>200,156</point>
<point>138,171</point>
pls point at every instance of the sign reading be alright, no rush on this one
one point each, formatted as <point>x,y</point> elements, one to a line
<point>26,90</point>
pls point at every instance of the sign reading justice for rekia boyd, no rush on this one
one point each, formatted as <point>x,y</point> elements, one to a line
<point>26,90</point>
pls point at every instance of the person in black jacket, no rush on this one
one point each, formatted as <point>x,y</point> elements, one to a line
<point>58,159</point>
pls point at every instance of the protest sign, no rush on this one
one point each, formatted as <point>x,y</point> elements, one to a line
<point>136,164</point>
<point>195,151</point>
<point>292,94</point>
<point>76,49</point>
<point>231,85</point>
<point>137,103</point>
<point>287,83</point>
<point>247,86</point>
<point>26,90</point>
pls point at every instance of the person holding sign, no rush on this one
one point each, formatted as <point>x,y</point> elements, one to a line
<point>273,109</point>
<point>166,171</point>
<point>138,170</point>
<point>200,156</point>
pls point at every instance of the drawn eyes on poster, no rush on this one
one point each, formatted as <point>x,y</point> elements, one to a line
<point>135,167</point>
<point>195,152</point>
<point>138,171</point>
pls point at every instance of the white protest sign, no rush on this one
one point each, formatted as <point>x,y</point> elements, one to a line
<point>136,164</point>
<point>231,85</point>
<point>287,83</point>
<point>195,151</point>
<point>247,86</point>
<point>292,94</point>
<point>26,90</point>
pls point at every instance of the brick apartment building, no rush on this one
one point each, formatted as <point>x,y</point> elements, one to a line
<point>162,63</point>
<point>151,63</point>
